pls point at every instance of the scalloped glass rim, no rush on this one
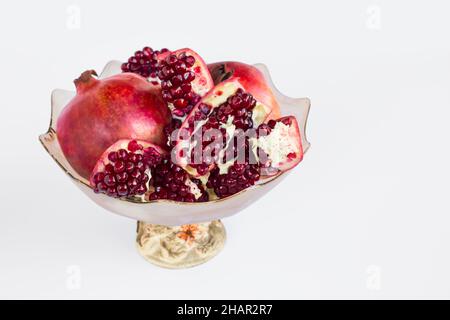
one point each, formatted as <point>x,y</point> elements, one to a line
<point>167,212</point>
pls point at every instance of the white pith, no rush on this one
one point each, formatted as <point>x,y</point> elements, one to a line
<point>195,190</point>
<point>201,90</point>
<point>277,145</point>
<point>230,128</point>
<point>260,112</point>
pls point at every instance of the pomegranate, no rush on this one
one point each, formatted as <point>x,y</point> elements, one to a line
<point>225,140</point>
<point>166,101</point>
<point>251,78</point>
<point>226,108</point>
<point>124,106</point>
<point>184,80</point>
<point>183,75</point>
<point>123,169</point>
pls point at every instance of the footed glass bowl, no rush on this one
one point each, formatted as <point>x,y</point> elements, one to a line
<point>175,234</point>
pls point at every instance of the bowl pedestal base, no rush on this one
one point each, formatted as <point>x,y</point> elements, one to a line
<point>182,246</point>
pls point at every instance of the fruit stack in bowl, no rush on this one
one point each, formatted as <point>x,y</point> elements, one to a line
<point>172,127</point>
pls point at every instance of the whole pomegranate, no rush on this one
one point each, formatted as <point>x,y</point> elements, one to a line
<point>124,106</point>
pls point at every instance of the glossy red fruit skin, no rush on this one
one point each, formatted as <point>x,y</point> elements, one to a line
<point>124,106</point>
<point>251,79</point>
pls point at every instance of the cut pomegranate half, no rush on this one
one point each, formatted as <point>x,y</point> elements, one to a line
<point>182,74</point>
<point>226,108</point>
<point>123,170</point>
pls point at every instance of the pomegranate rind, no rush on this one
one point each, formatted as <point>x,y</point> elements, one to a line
<point>120,144</point>
<point>251,78</point>
<point>293,138</point>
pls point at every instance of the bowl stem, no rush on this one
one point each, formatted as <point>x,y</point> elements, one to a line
<point>182,246</point>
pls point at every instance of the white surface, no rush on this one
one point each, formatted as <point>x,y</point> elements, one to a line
<point>366,215</point>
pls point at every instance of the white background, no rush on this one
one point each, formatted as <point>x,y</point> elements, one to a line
<point>365,215</point>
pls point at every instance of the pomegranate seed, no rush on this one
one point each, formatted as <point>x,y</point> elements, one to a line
<point>188,76</point>
<point>172,59</point>
<point>177,92</point>
<point>178,113</point>
<point>180,103</point>
<point>264,129</point>
<point>177,80</point>
<point>111,191</point>
<point>205,109</point>
<point>147,51</point>
<point>186,87</point>
<point>166,95</point>
<point>109,168</point>
<point>122,190</point>
<point>180,67</point>
<point>99,176</point>
<point>110,180</point>
<point>134,146</point>
<point>101,187</point>
<point>166,85</point>
<point>272,124</point>
<point>122,177</point>
<point>190,61</point>
<point>119,166</point>
<point>113,156</point>
<point>122,154</point>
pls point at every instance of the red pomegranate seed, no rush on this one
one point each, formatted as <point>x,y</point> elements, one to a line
<point>189,60</point>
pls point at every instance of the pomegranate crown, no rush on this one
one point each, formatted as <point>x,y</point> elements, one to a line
<point>85,80</point>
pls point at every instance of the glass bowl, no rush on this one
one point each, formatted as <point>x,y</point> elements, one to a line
<point>167,213</point>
